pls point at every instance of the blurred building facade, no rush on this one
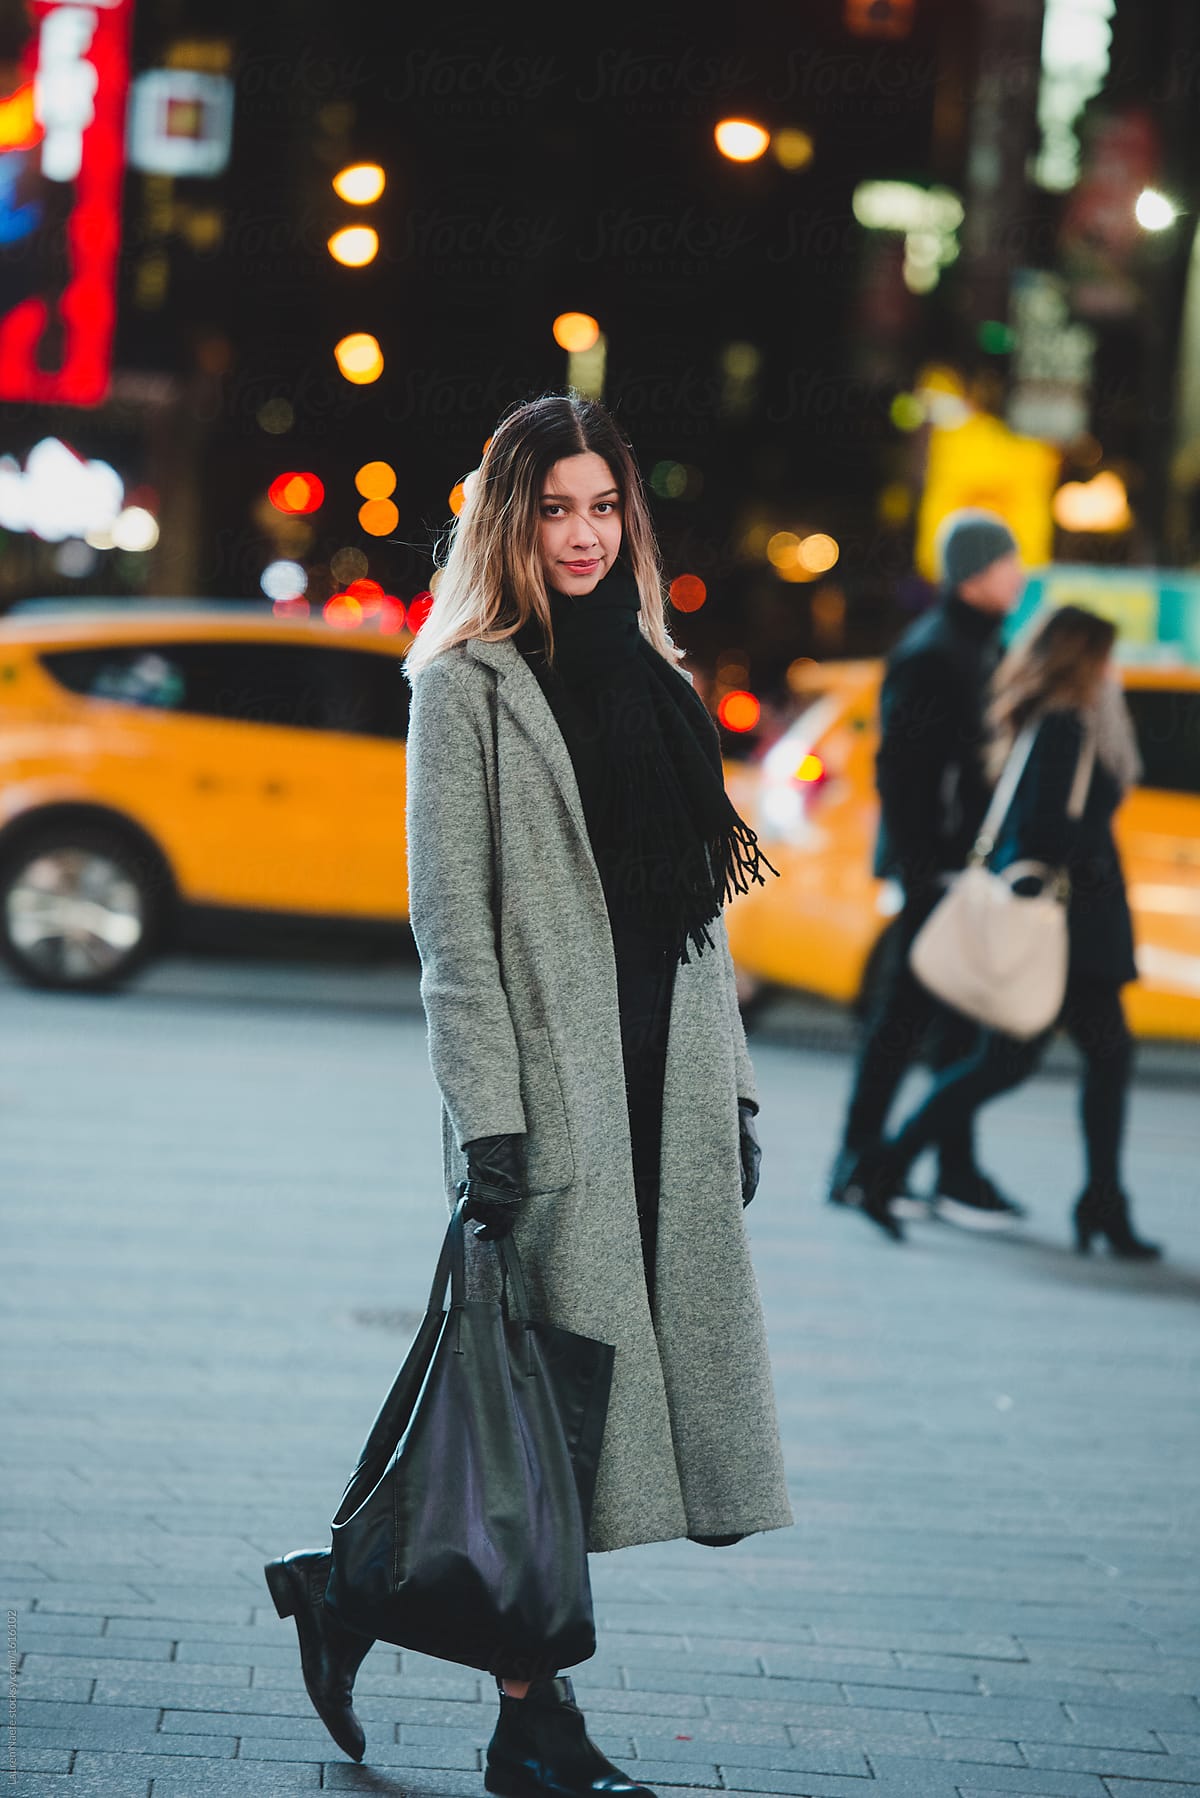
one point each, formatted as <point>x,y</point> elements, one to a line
<point>946,226</point>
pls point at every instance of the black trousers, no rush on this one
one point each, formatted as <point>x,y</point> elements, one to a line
<point>645,986</point>
<point>905,1014</point>
<point>1093,1017</point>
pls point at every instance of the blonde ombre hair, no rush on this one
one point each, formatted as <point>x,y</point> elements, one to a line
<point>488,580</point>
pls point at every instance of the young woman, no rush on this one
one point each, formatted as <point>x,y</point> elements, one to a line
<point>570,848</point>
<point>1060,679</point>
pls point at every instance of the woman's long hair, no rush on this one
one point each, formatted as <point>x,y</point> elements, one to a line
<point>1059,663</point>
<point>489,581</point>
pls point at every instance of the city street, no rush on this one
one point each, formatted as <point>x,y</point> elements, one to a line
<point>220,1199</point>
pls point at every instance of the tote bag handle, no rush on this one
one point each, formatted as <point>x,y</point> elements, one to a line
<point>451,1270</point>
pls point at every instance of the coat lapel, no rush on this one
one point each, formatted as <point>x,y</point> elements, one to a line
<point>518,690</point>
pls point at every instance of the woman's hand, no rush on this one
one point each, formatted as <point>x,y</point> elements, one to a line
<point>751,1149</point>
<point>495,1184</point>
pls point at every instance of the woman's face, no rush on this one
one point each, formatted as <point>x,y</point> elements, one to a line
<point>579,522</point>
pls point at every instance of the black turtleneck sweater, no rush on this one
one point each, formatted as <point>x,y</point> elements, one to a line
<point>932,787</point>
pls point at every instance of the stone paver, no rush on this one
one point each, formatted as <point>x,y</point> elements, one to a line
<point>220,1200</point>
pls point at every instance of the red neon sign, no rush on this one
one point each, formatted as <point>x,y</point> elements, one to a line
<point>56,342</point>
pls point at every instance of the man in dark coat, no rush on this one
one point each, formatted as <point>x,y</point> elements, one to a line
<point>933,796</point>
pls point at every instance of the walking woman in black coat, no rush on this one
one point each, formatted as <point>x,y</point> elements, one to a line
<point>1060,679</point>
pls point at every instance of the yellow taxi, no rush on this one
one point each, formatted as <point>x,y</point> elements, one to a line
<point>811,798</point>
<point>167,773</point>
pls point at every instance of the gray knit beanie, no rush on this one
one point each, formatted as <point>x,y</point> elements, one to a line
<point>968,541</point>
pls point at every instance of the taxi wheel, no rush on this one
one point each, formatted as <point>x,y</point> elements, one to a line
<point>80,906</point>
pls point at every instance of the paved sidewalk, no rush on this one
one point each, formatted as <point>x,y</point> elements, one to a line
<point>219,1221</point>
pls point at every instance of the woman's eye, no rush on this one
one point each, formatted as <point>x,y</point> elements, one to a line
<point>612,504</point>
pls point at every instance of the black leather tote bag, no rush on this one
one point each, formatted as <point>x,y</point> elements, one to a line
<point>463,1531</point>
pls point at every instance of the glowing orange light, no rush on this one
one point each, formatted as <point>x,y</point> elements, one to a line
<point>359,183</point>
<point>378,516</point>
<point>741,140</point>
<point>376,480</point>
<point>576,331</point>
<point>818,552</point>
<point>688,592</point>
<point>296,494</point>
<point>359,358</point>
<point>811,768</point>
<point>368,595</point>
<point>354,246</point>
<point>739,710</point>
<point>342,611</point>
<point>391,614</point>
<point>418,610</point>
<point>457,498</point>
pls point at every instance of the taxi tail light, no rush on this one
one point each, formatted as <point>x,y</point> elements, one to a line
<point>810,775</point>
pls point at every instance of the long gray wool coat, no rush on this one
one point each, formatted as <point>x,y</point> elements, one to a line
<point>518,981</point>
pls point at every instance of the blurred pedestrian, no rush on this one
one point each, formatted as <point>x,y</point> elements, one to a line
<point>1061,680</point>
<point>933,794</point>
<point>569,838</point>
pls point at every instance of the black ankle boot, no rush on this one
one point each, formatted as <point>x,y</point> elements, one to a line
<point>541,1746</point>
<point>1104,1211</point>
<point>330,1654</point>
<point>871,1185</point>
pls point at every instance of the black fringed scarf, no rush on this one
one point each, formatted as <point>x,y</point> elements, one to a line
<point>669,843</point>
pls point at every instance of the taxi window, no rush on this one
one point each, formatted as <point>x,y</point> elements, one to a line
<point>298,686</point>
<point>1167,722</point>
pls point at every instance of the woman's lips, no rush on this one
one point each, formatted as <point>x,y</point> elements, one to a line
<point>583,567</point>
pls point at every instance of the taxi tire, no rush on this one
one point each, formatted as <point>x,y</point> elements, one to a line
<point>137,856</point>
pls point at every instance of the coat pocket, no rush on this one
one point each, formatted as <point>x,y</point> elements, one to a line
<point>549,1158</point>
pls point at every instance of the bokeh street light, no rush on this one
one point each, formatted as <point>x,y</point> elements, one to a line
<point>688,593</point>
<point>792,148</point>
<point>378,516</point>
<point>359,358</point>
<point>134,529</point>
<point>376,480</point>
<point>360,183</point>
<point>576,331</point>
<point>741,140</point>
<point>1153,210</point>
<point>354,246</point>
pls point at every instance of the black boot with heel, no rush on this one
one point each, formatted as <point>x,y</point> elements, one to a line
<point>1104,1211</point>
<point>330,1654</point>
<point>541,1746</point>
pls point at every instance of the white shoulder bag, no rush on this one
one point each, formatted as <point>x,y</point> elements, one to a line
<point>988,952</point>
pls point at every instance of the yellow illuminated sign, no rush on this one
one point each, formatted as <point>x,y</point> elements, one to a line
<point>980,462</point>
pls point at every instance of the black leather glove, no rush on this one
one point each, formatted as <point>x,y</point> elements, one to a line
<point>495,1184</point>
<point>751,1149</point>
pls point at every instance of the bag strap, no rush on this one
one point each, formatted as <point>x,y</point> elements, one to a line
<point>1005,793</point>
<point>451,1265</point>
<point>1083,772</point>
<point>451,1271</point>
<point>1010,778</point>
